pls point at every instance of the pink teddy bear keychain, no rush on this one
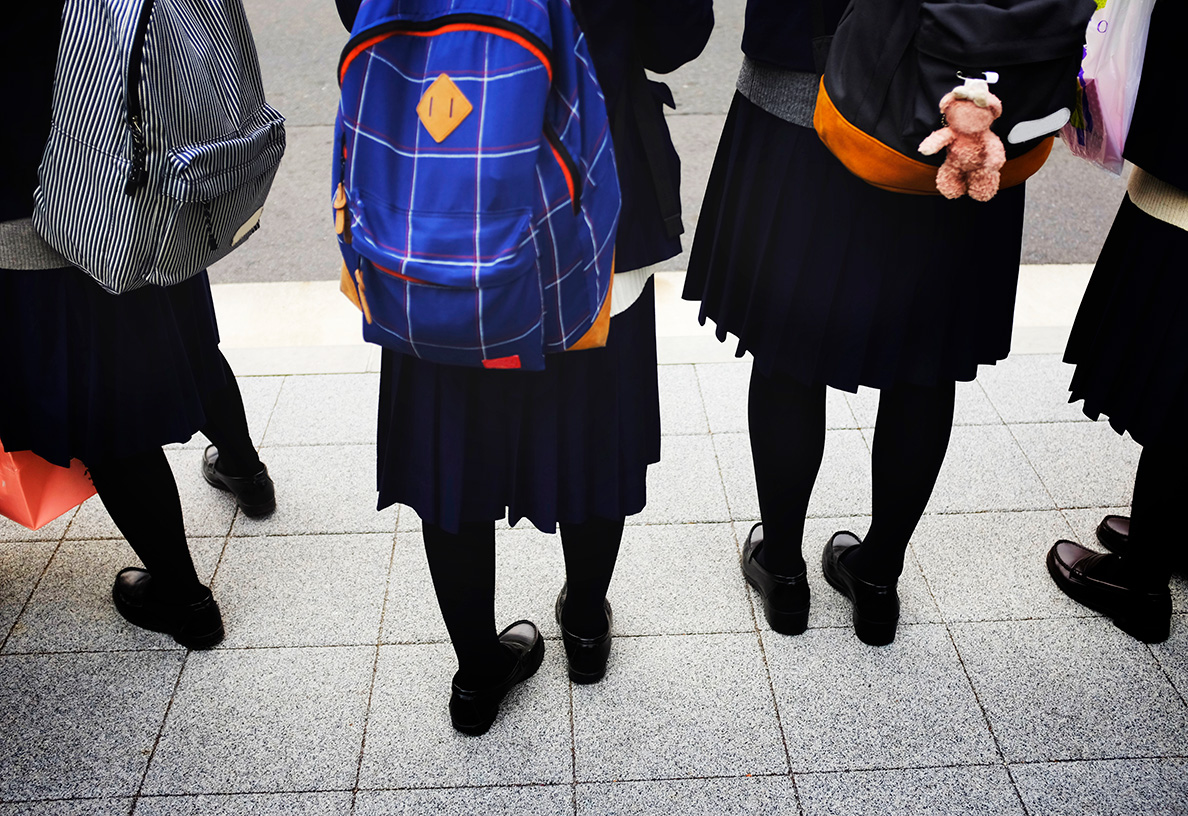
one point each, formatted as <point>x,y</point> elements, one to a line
<point>976,154</point>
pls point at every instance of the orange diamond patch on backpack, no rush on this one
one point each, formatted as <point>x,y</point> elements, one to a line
<point>443,107</point>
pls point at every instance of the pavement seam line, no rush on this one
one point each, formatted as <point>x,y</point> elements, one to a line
<point>379,639</point>
<point>160,732</point>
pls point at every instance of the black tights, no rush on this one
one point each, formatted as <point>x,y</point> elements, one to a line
<point>463,570</point>
<point>227,429</point>
<point>787,427</point>
<point>1159,486</point>
<point>141,496</point>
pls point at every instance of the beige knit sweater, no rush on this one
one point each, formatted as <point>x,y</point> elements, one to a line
<point>1159,199</point>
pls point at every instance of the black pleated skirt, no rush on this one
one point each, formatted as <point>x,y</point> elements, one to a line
<point>832,281</point>
<point>93,376</point>
<point>1130,339</point>
<point>461,444</point>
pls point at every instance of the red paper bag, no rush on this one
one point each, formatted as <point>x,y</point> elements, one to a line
<point>33,492</point>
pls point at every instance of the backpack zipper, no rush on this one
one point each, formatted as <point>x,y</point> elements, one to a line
<point>138,171</point>
<point>473,22</point>
<point>442,25</point>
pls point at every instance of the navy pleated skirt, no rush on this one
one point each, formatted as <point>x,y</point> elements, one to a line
<point>462,444</point>
<point>832,281</point>
<point>93,376</point>
<point>1130,339</point>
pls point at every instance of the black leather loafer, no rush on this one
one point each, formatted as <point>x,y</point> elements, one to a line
<point>255,495</point>
<point>876,606</point>
<point>472,711</point>
<point>785,597</point>
<point>587,657</point>
<point>1090,579</point>
<point>197,625</point>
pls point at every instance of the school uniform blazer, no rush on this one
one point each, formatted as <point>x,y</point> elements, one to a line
<point>1157,132</point>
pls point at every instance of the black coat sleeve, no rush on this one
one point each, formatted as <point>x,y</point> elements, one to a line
<point>673,32</point>
<point>347,9</point>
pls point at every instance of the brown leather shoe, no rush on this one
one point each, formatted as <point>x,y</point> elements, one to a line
<point>1114,535</point>
<point>1095,580</point>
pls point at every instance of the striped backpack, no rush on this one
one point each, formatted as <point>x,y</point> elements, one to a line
<point>475,194</point>
<point>162,149</point>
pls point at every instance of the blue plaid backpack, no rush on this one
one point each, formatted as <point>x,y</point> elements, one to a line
<point>474,186</point>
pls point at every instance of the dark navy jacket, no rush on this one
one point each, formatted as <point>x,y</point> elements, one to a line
<point>780,32</point>
<point>664,34</point>
<point>28,83</point>
<point>1156,137</point>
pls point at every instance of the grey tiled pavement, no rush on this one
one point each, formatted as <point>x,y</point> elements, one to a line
<point>999,695</point>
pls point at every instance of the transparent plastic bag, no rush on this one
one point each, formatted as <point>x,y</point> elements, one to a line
<point>1115,42</point>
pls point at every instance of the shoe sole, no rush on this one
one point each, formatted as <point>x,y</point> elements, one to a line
<point>781,621</point>
<point>1138,627</point>
<point>202,642</point>
<point>586,678</point>
<point>533,661</point>
<point>869,631</point>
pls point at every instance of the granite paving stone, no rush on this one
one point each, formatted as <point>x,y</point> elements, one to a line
<point>21,566</point>
<point>260,720</point>
<point>321,489</point>
<point>71,610</point>
<point>848,706</point>
<point>984,470</point>
<point>685,485</point>
<point>259,398</point>
<point>679,579</point>
<point>1052,690</point>
<point>681,407</point>
<point>971,405</point>
<point>80,725</point>
<point>974,791</point>
<point>843,482</point>
<point>991,566</point>
<point>329,409</point>
<point>730,796</point>
<point>303,590</point>
<point>411,744</point>
<point>524,800</point>
<point>247,804</point>
<point>411,614</point>
<point>10,531</point>
<point>1124,787</point>
<point>529,572</point>
<point>725,386</point>
<point>1084,521</point>
<point>1173,657</point>
<point>1031,388</point>
<point>829,608</point>
<point>673,707</point>
<point>206,510</point>
<point>1082,464</point>
<point>69,807</point>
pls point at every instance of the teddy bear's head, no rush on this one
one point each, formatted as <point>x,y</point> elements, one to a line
<point>967,116</point>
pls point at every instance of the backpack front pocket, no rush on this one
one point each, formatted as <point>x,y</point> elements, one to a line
<point>452,289</point>
<point>216,192</point>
